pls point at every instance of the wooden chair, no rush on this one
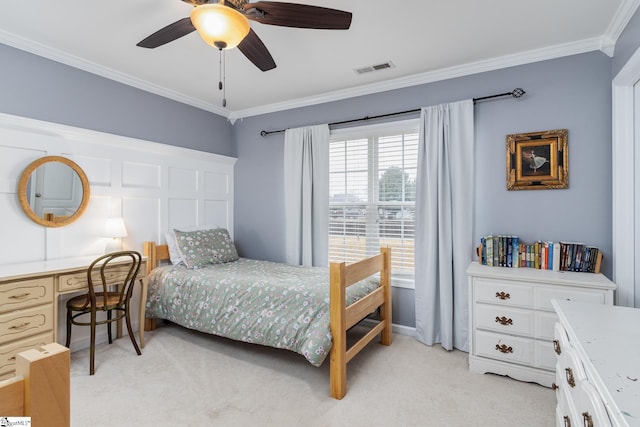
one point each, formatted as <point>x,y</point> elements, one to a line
<point>105,295</point>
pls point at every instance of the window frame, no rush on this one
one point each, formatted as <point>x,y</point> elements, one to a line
<point>380,130</point>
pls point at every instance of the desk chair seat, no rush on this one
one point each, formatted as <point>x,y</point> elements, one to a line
<point>105,295</point>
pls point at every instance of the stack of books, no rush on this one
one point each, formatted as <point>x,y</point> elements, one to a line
<point>508,251</point>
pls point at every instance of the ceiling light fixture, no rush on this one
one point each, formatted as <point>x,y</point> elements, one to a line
<point>219,25</point>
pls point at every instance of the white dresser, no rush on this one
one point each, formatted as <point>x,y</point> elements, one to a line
<point>598,371</point>
<point>511,319</point>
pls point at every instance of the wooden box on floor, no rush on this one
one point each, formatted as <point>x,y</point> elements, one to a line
<point>40,389</point>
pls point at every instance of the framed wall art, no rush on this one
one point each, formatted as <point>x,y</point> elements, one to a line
<point>538,160</point>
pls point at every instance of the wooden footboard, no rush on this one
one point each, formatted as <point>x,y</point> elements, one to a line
<point>342,318</point>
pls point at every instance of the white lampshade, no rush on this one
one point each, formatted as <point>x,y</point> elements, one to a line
<point>220,26</point>
<point>114,227</point>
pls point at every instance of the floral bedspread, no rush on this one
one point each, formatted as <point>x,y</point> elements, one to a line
<point>259,302</point>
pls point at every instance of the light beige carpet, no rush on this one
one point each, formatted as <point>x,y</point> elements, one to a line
<point>184,378</point>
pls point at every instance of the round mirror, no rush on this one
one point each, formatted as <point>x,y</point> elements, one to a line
<point>53,191</point>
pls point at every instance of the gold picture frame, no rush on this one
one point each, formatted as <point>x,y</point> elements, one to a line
<point>538,160</point>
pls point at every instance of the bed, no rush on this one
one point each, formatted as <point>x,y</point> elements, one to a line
<point>236,296</point>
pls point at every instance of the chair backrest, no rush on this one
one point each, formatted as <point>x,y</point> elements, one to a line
<point>100,278</point>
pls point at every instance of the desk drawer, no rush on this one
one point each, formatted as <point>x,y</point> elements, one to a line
<point>24,323</point>
<point>78,281</point>
<point>8,351</point>
<point>25,293</point>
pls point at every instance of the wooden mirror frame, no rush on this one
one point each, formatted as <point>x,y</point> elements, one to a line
<point>52,222</point>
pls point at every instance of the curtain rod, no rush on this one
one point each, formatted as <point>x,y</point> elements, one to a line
<point>516,93</point>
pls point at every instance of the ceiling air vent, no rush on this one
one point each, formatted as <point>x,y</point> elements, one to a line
<point>377,67</point>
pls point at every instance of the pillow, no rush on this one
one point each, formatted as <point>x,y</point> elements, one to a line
<point>174,253</point>
<point>202,247</point>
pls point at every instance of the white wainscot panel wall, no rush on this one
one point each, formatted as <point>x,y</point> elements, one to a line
<point>153,187</point>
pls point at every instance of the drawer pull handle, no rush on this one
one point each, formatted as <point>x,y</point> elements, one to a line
<point>504,348</point>
<point>503,295</point>
<point>554,386</point>
<point>23,325</point>
<point>12,359</point>
<point>570,380</point>
<point>21,296</point>
<point>587,420</point>
<point>504,321</point>
<point>556,347</point>
<point>567,421</point>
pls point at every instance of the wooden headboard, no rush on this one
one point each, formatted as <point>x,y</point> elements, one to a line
<point>155,254</point>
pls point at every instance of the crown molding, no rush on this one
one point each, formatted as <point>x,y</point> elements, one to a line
<point>65,58</point>
<point>496,63</point>
<point>625,12</point>
<point>620,20</point>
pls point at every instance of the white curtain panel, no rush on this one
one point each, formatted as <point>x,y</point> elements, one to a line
<point>444,224</point>
<point>306,198</point>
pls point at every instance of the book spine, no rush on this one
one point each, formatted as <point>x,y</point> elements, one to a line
<point>489,250</point>
<point>516,252</point>
<point>509,251</point>
<point>556,256</point>
<point>495,251</point>
<point>598,263</point>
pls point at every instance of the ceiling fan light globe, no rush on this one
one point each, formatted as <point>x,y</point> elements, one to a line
<point>217,23</point>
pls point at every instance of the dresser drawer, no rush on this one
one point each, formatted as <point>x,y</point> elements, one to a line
<point>503,292</point>
<point>544,322</point>
<point>25,293</point>
<point>565,411</point>
<point>545,358</point>
<point>591,409</point>
<point>8,351</point>
<point>508,320</point>
<point>78,281</point>
<point>24,323</point>
<point>571,374</point>
<point>544,295</point>
<point>504,347</point>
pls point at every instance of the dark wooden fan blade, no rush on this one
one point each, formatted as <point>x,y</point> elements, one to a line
<point>168,34</point>
<point>298,15</point>
<point>255,51</point>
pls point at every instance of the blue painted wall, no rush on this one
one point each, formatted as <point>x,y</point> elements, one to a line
<point>572,92</point>
<point>38,88</point>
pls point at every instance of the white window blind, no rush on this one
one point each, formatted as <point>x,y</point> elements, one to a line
<point>372,179</point>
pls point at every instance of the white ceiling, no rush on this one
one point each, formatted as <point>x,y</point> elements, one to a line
<point>427,40</point>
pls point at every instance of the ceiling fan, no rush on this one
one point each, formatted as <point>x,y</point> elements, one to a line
<point>232,18</point>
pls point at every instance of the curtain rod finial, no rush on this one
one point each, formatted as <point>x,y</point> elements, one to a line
<point>518,92</point>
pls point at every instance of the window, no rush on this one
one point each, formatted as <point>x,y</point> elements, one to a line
<point>372,190</point>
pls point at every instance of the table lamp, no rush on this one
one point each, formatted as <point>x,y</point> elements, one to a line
<point>114,229</point>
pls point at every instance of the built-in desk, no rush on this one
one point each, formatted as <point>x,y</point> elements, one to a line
<point>29,302</point>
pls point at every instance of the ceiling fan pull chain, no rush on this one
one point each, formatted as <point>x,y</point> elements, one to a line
<point>220,69</point>
<point>221,73</point>
<point>224,79</point>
